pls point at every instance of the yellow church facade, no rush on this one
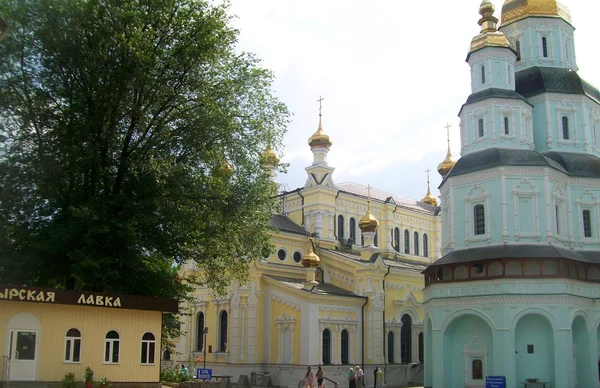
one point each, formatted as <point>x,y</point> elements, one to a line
<point>342,287</point>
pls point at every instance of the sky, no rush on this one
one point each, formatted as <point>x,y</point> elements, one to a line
<point>392,74</point>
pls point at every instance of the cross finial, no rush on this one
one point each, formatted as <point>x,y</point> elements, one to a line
<point>448,132</point>
<point>428,171</point>
<point>320,100</point>
<point>369,198</point>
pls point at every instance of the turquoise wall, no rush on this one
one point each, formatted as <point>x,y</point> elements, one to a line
<point>534,330</point>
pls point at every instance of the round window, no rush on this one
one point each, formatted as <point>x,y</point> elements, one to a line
<point>281,254</point>
<point>297,256</point>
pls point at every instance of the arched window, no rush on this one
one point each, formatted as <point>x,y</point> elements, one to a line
<point>565,127</point>
<point>406,242</point>
<point>148,348</point>
<point>587,223</point>
<point>111,347</point>
<point>544,47</point>
<point>166,356</point>
<point>326,347</point>
<point>421,347</point>
<point>376,239</point>
<point>518,50</point>
<point>362,240</point>
<point>200,331</point>
<point>390,347</point>
<point>482,74</point>
<point>223,331</point>
<point>340,227</point>
<point>406,338</point>
<point>425,245</point>
<point>416,243</point>
<point>477,369</point>
<point>397,239</point>
<point>479,220</point>
<point>345,347</point>
<point>72,345</point>
<point>480,124</point>
<point>506,127</point>
<point>352,230</point>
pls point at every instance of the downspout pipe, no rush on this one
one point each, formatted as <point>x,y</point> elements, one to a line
<point>301,196</point>
<point>363,331</point>
<point>384,336</point>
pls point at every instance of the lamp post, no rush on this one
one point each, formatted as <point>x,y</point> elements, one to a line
<point>205,332</point>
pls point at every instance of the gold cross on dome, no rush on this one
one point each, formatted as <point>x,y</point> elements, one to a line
<point>448,131</point>
<point>320,100</point>
<point>428,171</point>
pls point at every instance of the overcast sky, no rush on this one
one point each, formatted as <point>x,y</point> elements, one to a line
<point>392,74</point>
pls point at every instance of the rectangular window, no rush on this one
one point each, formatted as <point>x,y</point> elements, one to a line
<point>482,74</point>
<point>565,127</point>
<point>544,47</point>
<point>480,127</point>
<point>587,223</point>
<point>479,219</point>
<point>506,128</point>
<point>518,50</point>
<point>72,346</point>
<point>557,217</point>
<point>529,349</point>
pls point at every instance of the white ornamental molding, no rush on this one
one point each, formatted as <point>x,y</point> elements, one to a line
<point>288,242</point>
<point>481,301</point>
<point>337,310</point>
<point>285,302</point>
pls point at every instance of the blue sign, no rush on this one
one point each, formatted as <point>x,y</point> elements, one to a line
<point>495,382</point>
<point>203,374</point>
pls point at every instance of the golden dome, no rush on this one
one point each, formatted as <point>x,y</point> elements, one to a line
<point>489,36</point>
<point>447,164</point>
<point>319,139</point>
<point>368,223</point>
<point>224,169</point>
<point>515,10</point>
<point>310,260</point>
<point>269,158</point>
<point>428,198</point>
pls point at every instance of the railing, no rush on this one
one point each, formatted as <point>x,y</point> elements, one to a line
<point>335,383</point>
<point>5,372</point>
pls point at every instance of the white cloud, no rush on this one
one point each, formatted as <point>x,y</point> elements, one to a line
<point>392,73</point>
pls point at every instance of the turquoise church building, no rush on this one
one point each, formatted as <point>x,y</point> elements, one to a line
<point>516,293</point>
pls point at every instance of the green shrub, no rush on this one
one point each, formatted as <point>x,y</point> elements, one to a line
<point>69,381</point>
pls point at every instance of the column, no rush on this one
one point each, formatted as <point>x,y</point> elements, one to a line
<point>319,223</point>
<point>243,329</point>
<point>593,357</point>
<point>563,358</point>
<point>330,217</point>
<point>503,351</point>
<point>234,321</point>
<point>252,328</point>
<point>437,359</point>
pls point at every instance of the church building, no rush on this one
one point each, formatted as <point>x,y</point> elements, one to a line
<point>343,286</point>
<point>515,294</point>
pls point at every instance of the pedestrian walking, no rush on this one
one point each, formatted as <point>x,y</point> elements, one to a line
<point>309,379</point>
<point>320,378</point>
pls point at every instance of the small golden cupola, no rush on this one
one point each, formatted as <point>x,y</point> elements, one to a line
<point>310,260</point>
<point>319,139</point>
<point>269,158</point>
<point>428,198</point>
<point>489,35</point>
<point>515,10</point>
<point>224,169</point>
<point>447,164</point>
<point>368,224</point>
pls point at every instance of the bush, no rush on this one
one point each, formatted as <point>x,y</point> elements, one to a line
<point>173,375</point>
<point>69,381</point>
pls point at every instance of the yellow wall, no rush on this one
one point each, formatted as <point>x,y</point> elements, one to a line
<point>93,324</point>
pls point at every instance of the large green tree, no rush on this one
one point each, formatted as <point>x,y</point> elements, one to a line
<point>130,141</point>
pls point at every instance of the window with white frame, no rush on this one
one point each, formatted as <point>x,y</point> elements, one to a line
<point>406,242</point>
<point>565,127</point>
<point>223,327</point>
<point>475,355</point>
<point>587,222</point>
<point>545,47</point>
<point>111,347</point>
<point>416,243</point>
<point>506,126</point>
<point>73,346</point>
<point>148,348</point>
<point>480,127</point>
<point>483,74</point>
<point>478,220</point>
<point>518,49</point>
<point>557,218</point>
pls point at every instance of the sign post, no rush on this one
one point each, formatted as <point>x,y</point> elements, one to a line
<point>495,382</point>
<point>203,374</point>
